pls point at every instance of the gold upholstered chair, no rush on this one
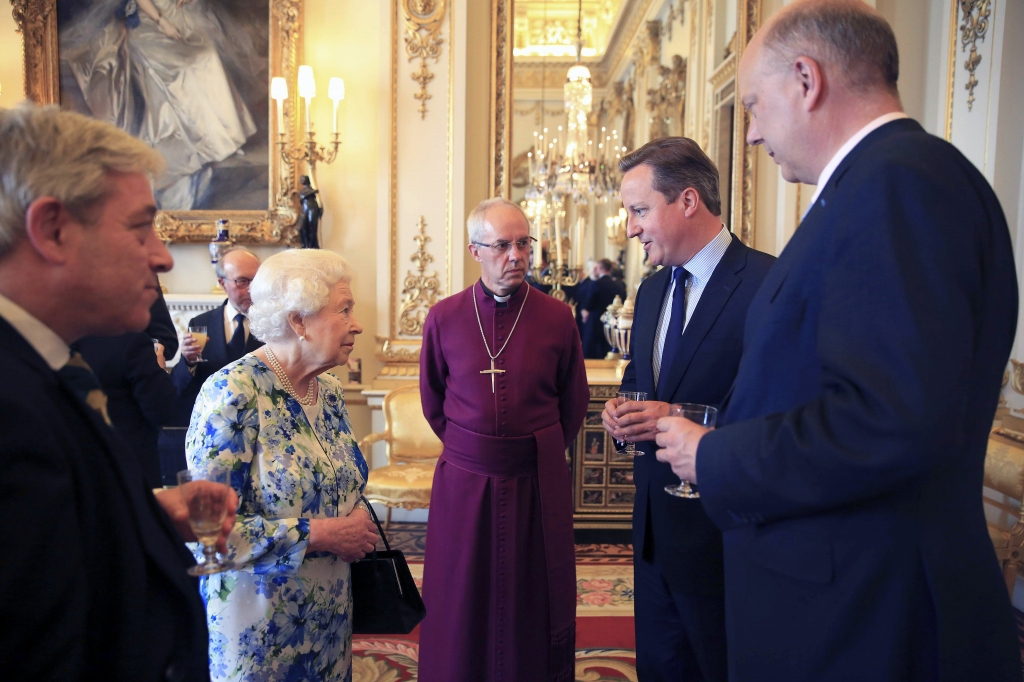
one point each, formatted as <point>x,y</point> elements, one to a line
<point>1004,475</point>
<point>412,451</point>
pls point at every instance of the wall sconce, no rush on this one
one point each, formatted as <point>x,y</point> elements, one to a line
<point>307,150</point>
<point>616,225</point>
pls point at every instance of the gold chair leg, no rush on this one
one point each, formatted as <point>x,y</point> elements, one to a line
<point>1010,570</point>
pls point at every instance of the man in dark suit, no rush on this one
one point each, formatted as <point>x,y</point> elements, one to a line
<point>140,394</point>
<point>79,256</point>
<point>846,472</point>
<point>593,304</point>
<point>228,339</point>
<point>685,347</point>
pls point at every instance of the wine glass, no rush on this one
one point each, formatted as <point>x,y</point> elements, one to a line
<point>198,332</point>
<point>705,416</point>
<point>207,507</point>
<point>627,447</point>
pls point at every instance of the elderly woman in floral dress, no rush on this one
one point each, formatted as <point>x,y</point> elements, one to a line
<point>279,424</point>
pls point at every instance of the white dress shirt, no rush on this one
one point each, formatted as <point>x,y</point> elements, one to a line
<point>229,321</point>
<point>830,168</point>
<point>42,338</point>
<point>700,267</point>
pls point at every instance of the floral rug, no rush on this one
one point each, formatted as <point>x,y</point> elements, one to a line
<point>604,617</point>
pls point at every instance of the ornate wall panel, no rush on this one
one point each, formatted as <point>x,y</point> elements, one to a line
<point>424,198</point>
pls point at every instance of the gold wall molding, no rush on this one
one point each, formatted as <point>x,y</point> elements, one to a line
<point>501,97</point>
<point>420,290</point>
<point>745,173</point>
<point>423,22</point>
<point>37,22</point>
<point>976,14</point>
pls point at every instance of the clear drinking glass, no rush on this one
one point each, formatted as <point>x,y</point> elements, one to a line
<point>207,508</point>
<point>200,335</point>
<point>705,416</point>
<point>627,447</point>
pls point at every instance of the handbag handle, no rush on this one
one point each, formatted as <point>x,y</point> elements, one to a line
<point>373,515</point>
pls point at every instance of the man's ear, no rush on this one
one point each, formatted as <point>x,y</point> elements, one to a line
<point>47,222</point>
<point>691,201</point>
<point>474,251</point>
<point>810,76</point>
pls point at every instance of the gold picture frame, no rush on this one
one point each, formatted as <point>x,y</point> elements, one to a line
<point>37,22</point>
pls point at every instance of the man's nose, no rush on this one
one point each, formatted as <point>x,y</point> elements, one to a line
<point>753,135</point>
<point>160,258</point>
<point>632,229</point>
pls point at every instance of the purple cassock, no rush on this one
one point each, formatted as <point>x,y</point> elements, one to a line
<point>499,580</point>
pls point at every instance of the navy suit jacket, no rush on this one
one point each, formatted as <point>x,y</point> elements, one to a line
<point>595,300</point>
<point>140,395</point>
<point>94,584</point>
<point>847,472</point>
<point>217,357</point>
<point>682,540</point>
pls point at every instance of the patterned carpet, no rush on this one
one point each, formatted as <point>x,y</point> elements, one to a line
<point>604,616</point>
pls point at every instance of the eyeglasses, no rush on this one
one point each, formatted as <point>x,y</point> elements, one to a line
<point>241,282</point>
<point>523,244</point>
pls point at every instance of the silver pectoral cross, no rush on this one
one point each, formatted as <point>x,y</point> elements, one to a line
<point>492,372</point>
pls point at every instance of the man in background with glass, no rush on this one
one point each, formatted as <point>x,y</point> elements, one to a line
<point>93,582</point>
<point>685,348</point>
<point>227,339</point>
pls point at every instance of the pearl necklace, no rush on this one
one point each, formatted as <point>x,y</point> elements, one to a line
<point>311,392</point>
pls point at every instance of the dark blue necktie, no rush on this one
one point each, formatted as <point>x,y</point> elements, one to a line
<point>236,346</point>
<point>674,335</point>
<point>79,378</point>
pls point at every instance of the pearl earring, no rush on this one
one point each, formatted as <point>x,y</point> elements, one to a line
<point>302,338</point>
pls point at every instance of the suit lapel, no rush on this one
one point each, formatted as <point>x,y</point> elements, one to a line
<point>716,294</point>
<point>645,326</point>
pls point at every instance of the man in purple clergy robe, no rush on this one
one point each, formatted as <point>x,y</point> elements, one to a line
<point>504,387</point>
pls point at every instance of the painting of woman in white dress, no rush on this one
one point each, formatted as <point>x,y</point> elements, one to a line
<point>186,76</point>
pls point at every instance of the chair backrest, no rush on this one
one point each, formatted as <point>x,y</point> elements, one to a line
<point>1004,481</point>
<point>411,438</point>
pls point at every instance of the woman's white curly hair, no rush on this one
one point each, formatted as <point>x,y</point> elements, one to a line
<point>297,280</point>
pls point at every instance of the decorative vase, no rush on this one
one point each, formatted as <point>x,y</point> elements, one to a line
<point>218,246</point>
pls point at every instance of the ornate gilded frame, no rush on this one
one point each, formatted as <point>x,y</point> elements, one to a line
<point>37,22</point>
<point>745,156</point>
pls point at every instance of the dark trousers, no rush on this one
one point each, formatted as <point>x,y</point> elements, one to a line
<point>679,637</point>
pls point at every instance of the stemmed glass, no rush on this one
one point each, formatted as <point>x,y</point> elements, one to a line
<point>627,447</point>
<point>199,333</point>
<point>705,416</point>
<point>206,511</point>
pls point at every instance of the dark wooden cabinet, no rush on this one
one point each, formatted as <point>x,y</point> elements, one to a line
<point>603,489</point>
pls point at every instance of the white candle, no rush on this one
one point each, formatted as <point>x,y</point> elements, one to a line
<point>307,91</point>
<point>279,93</point>
<point>336,91</point>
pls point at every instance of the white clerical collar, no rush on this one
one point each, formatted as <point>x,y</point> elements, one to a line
<point>827,172</point>
<point>502,299</point>
<point>42,338</point>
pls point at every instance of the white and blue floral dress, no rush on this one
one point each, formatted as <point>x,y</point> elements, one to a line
<point>284,614</point>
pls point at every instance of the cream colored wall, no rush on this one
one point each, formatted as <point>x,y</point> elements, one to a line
<point>11,62</point>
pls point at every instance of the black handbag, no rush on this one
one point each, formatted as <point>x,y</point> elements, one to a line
<point>385,600</point>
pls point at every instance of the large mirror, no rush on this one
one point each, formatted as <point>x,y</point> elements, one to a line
<point>650,68</point>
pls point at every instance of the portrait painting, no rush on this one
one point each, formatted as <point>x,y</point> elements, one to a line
<point>593,497</point>
<point>191,79</point>
<point>593,449</point>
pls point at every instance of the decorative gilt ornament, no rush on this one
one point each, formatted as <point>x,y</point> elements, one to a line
<point>423,21</point>
<point>975,23</point>
<point>420,290</point>
<point>1017,376</point>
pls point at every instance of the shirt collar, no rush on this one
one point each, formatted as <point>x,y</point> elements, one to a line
<point>500,299</point>
<point>829,169</point>
<point>43,339</point>
<point>703,265</point>
<point>231,311</point>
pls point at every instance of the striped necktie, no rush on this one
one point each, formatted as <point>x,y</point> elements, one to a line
<point>79,378</point>
<point>674,335</point>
